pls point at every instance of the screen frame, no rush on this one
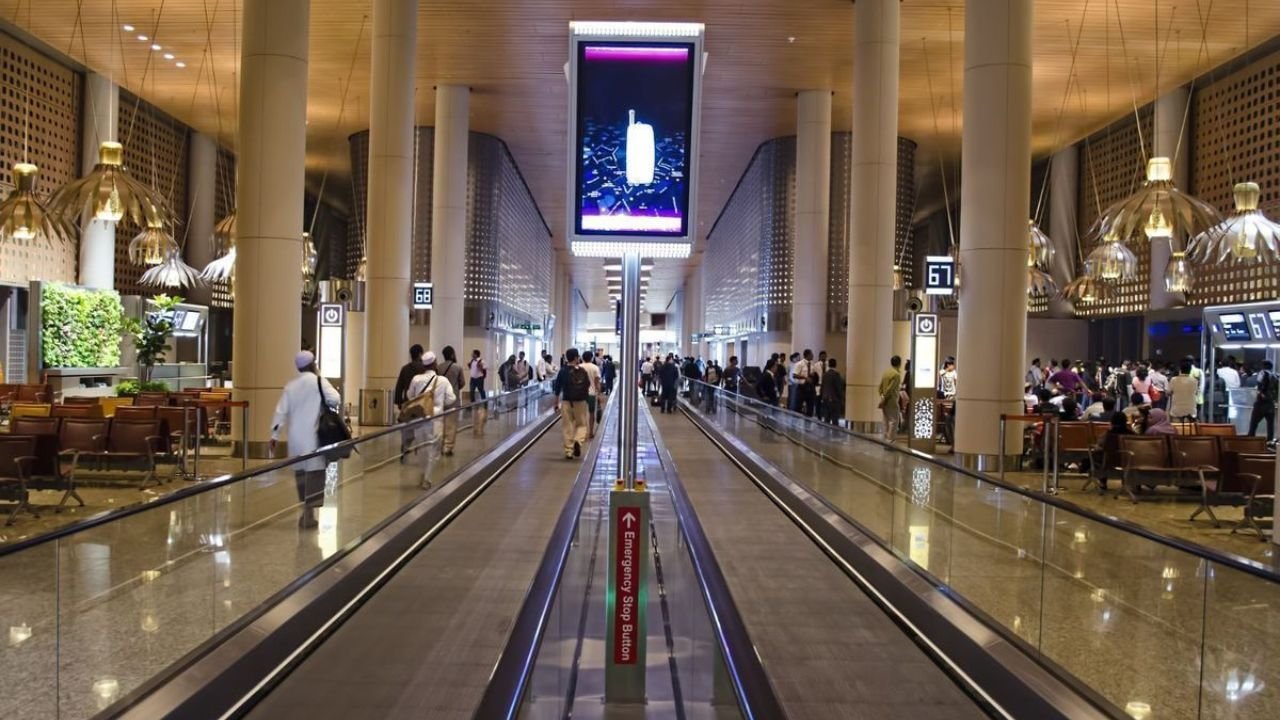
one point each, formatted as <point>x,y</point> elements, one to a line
<point>621,35</point>
<point>1244,322</point>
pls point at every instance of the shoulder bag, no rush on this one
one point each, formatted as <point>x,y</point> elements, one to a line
<point>330,429</point>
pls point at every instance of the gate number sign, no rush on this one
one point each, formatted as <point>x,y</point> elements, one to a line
<point>422,295</point>
<point>939,275</point>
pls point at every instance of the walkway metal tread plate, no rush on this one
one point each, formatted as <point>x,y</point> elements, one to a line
<point>829,650</point>
<point>425,643</point>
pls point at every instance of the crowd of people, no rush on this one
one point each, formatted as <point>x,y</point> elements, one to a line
<point>1094,390</point>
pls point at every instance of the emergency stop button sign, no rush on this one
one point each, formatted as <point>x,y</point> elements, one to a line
<point>626,576</point>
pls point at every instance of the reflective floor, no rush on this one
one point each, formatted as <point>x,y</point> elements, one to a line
<point>92,616</point>
<point>1158,632</point>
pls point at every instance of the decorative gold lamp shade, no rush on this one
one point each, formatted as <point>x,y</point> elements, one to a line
<point>1178,276</point>
<point>109,193</point>
<point>1039,283</point>
<point>1158,210</point>
<point>1246,236</point>
<point>172,272</point>
<point>1111,260</point>
<point>153,244</point>
<point>899,280</point>
<point>310,257</point>
<point>1087,288</point>
<point>24,218</point>
<point>1040,251</point>
<point>223,268</point>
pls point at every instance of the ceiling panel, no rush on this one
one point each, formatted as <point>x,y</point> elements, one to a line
<point>760,53</point>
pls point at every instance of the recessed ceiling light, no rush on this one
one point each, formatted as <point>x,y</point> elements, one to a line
<point>791,38</point>
<point>156,47</point>
<point>127,28</point>
<point>168,56</point>
<point>180,64</point>
<point>143,38</point>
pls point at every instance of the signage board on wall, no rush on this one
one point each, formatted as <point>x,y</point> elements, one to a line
<point>939,275</point>
<point>635,91</point>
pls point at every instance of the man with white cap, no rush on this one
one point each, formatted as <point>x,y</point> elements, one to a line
<point>443,396</point>
<point>299,411</point>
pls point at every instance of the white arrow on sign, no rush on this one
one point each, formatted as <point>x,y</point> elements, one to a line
<point>629,518</point>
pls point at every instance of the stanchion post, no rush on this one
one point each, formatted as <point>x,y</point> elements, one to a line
<point>1003,423</point>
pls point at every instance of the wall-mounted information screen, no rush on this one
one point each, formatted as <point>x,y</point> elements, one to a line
<point>1234,327</point>
<point>633,130</point>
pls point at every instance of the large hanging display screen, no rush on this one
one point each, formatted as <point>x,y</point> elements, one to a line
<point>633,130</point>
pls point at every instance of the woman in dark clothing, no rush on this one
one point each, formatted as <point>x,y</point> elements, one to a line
<point>1108,449</point>
<point>766,388</point>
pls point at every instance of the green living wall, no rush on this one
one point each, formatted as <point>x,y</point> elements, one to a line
<point>81,328</point>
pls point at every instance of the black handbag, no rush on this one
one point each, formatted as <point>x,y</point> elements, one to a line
<point>330,429</point>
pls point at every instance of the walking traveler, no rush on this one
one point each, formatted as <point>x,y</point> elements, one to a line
<point>298,411</point>
<point>669,379</point>
<point>434,394</point>
<point>806,376</point>
<point>542,371</point>
<point>712,380</point>
<point>407,373</point>
<point>890,385</point>
<point>793,396</point>
<point>593,395</point>
<point>608,373</point>
<point>767,387</point>
<point>572,387</point>
<point>451,371</point>
<point>646,375</point>
<point>478,373</point>
<point>1264,403</point>
<point>832,394</point>
<point>732,375</point>
<point>522,372</point>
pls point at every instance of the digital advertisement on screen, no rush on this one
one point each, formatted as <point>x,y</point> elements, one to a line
<point>635,117</point>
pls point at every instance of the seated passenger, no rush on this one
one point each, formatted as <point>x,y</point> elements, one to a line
<point>1101,408</point>
<point>1157,423</point>
<point>1069,411</point>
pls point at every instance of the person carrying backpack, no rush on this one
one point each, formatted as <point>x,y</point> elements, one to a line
<point>712,378</point>
<point>430,394</point>
<point>572,386</point>
<point>478,374</point>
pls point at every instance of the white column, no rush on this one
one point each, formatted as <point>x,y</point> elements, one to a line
<point>873,204</point>
<point>1169,139</point>
<point>202,197</point>
<point>1064,193</point>
<point>449,213</point>
<point>98,237</point>
<point>996,177</point>
<point>390,198</point>
<point>269,200</point>
<point>813,220</point>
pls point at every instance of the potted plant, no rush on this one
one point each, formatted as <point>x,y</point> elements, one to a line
<point>151,336</point>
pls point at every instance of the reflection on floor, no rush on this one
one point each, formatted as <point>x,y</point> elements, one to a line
<point>1165,511</point>
<point>1157,631</point>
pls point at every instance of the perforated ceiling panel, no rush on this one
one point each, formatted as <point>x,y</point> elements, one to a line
<point>42,95</point>
<point>1111,167</point>
<point>1237,139</point>
<point>155,152</point>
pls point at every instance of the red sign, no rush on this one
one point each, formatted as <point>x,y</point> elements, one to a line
<point>626,590</point>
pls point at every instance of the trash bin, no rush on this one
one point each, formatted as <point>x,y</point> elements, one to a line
<point>376,408</point>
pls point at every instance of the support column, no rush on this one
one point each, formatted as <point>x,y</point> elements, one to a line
<point>873,204</point>
<point>98,237</point>
<point>202,198</point>
<point>390,198</point>
<point>269,202</point>
<point>813,220</point>
<point>1064,184</point>
<point>449,213</point>
<point>996,177</point>
<point>1169,139</point>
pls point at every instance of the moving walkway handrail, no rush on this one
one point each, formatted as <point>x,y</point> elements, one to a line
<point>233,478</point>
<point>1234,562</point>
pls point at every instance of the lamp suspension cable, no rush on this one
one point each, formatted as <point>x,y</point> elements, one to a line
<point>1062,109</point>
<point>337,124</point>
<point>146,68</point>
<point>1133,93</point>
<point>937,133</point>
